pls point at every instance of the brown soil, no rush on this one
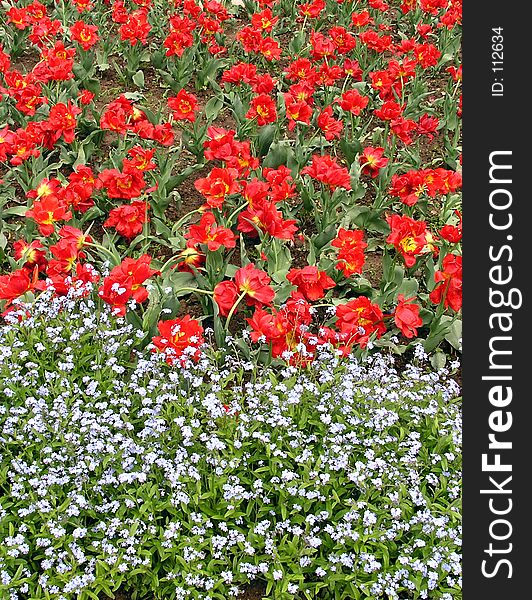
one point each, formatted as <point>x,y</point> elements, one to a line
<point>190,198</point>
<point>119,595</point>
<point>372,269</point>
<point>191,307</point>
<point>430,150</point>
<point>256,591</point>
<point>299,253</point>
<point>369,196</point>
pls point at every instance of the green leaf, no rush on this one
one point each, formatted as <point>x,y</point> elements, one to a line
<point>371,220</point>
<point>209,73</point>
<point>93,213</point>
<point>81,159</point>
<point>230,270</point>
<point>219,331</point>
<point>161,228</point>
<point>375,138</point>
<point>79,71</point>
<point>455,335</point>
<point>297,43</point>
<point>430,269</point>
<point>176,180</point>
<point>277,156</point>
<point>243,347</point>
<point>157,58</point>
<point>408,287</point>
<point>138,79</point>
<point>133,96</point>
<point>213,108</point>
<point>279,260</point>
<point>324,237</point>
<point>350,149</point>
<point>265,139</point>
<point>284,291</point>
<point>360,285</point>
<point>145,56</point>
<point>178,280</point>
<point>311,256</point>
<point>176,242</point>
<point>151,314</point>
<point>214,265</point>
<point>238,107</point>
<point>438,360</point>
<point>133,318</point>
<point>14,211</point>
<point>439,328</point>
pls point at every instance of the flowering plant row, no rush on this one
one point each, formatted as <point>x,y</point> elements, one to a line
<point>339,480</point>
<point>289,169</point>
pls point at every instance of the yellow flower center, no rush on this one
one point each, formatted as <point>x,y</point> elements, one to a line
<point>408,244</point>
<point>245,287</point>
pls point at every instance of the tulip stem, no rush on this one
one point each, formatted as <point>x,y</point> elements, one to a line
<point>176,225</point>
<point>233,308</point>
<point>235,212</point>
<point>199,290</point>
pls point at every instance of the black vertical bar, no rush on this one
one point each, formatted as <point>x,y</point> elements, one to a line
<point>497,366</point>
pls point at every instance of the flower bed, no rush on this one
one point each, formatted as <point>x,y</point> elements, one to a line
<point>292,169</point>
<point>336,480</point>
<point>223,225</point>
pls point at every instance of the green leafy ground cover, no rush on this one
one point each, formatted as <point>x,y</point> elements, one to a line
<point>339,480</point>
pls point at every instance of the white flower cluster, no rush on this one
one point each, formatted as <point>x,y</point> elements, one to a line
<point>288,477</point>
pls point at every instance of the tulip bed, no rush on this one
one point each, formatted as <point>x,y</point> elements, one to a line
<point>266,180</point>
